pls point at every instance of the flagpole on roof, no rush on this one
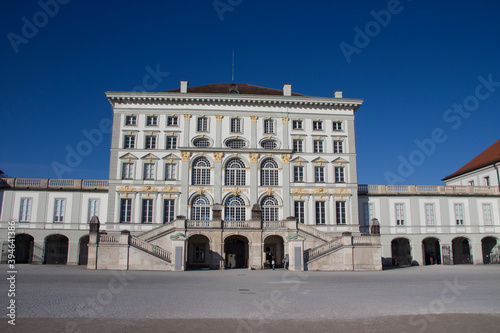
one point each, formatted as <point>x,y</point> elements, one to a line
<point>232,77</point>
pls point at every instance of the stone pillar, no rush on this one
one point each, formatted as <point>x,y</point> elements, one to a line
<point>348,251</point>
<point>93,243</point>
<point>136,216</point>
<point>476,251</point>
<point>179,252</point>
<point>123,257</point>
<point>253,132</point>
<point>184,195</point>
<point>254,177</point>
<point>285,162</point>
<point>218,131</point>
<point>218,175</point>
<point>296,252</point>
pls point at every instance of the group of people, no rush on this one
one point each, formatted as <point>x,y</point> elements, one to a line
<point>273,262</point>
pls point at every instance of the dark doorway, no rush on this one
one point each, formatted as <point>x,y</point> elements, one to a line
<point>24,248</point>
<point>461,251</point>
<point>198,252</point>
<point>84,250</point>
<point>236,252</point>
<point>432,251</point>
<point>490,254</point>
<point>56,250</point>
<point>401,252</point>
<point>274,246</point>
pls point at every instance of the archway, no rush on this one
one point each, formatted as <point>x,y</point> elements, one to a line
<point>56,250</point>
<point>24,248</point>
<point>84,250</point>
<point>274,246</point>
<point>432,251</point>
<point>491,251</point>
<point>198,252</point>
<point>236,251</point>
<point>401,252</point>
<point>461,251</point>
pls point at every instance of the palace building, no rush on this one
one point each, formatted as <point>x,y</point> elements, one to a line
<point>236,175</point>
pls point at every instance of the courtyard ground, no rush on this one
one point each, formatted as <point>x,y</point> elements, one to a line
<point>414,299</point>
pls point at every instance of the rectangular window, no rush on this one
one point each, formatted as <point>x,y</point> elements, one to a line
<point>319,174</point>
<point>128,171</point>
<point>369,209</point>
<point>202,124</point>
<point>487,216</point>
<point>151,120</point>
<point>130,120</point>
<point>125,210</point>
<point>339,175</point>
<point>168,210</point>
<point>486,181</point>
<point>298,174</point>
<point>299,211</point>
<point>340,209</point>
<point>297,124</point>
<point>129,141</point>
<point>297,146</point>
<point>318,146</point>
<point>400,214</point>
<point>337,126</point>
<point>149,170</point>
<point>320,212</point>
<point>429,214</point>
<point>59,210</point>
<point>25,211</point>
<point>338,147</point>
<point>459,214</point>
<point>93,208</point>
<point>171,143</point>
<point>317,125</point>
<point>150,142</point>
<point>147,211</point>
<point>471,183</point>
<point>172,121</point>
<point>199,253</point>
<point>170,171</point>
<point>235,125</point>
<point>268,126</point>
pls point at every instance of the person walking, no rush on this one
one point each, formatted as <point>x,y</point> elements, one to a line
<point>286,261</point>
<point>273,262</point>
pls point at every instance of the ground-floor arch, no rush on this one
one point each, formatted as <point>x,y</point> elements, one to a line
<point>491,250</point>
<point>401,251</point>
<point>236,251</point>
<point>274,247</point>
<point>56,250</point>
<point>83,250</point>
<point>198,253</point>
<point>431,249</point>
<point>461,251</point>
<point>24,248</point>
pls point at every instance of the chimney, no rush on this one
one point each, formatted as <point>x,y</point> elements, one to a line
<point>184,86</point>
<point>338,94</point>
<point>287,90</point>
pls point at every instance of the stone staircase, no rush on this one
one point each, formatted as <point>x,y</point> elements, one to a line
<point>322,250</point>
<point>158,232</point>
<point>154,250</point>
<point>312,231</point>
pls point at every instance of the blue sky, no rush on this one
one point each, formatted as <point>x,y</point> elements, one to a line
<point>413,65</point>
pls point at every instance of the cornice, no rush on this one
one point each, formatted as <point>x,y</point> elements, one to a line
<point>157,98</point>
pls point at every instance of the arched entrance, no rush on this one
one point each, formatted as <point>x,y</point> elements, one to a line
<point>24,248</point>
<point>401,252</point>
<point>56,250</point>
<point>491,251</point>
<point>236,251</point>
<point>83,250</point>
<point>274,246</point>
<point>432,251</point>
<point>198,252</point>
<point>461,251</point>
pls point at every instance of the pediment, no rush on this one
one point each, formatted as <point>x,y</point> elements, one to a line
<point>128,156</point>
<point>171,157</point>
<point>149,157</point>
<point>319,160</point>
<point>340,160</point>
<point>299,159</point>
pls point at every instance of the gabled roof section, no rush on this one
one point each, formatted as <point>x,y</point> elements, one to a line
<point>235,88</point>
<point>489,156</point>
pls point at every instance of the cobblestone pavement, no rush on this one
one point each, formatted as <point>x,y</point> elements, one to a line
<point>414,299</point>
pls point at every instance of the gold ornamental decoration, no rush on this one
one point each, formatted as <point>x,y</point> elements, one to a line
<point>299,190</point>
<point>218,157</point>
<point>254,157</point>
<point>185,155</point>
<point>284,120</point>
<point>341,191</point>
<point>170,189</point>
<point>126,188</point>
<point>320,190</point>
<point>253,119</point>
<point>219,117</point>
<point>285,158</point>
<point>148,188</point>
<point>187,116</point>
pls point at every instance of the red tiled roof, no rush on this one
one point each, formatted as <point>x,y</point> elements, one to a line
<point>242,88</point>
<point>489,156</point>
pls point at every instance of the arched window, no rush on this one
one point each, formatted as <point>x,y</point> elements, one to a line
<point>235,172</point>
<point>269,144</point>
<point>235,209</point>
<point>270,208</point>
<point>200,208</point>
<point>236,143</point>
<point>269,173</point>
<point>202,143</point>
<point>201,171</point>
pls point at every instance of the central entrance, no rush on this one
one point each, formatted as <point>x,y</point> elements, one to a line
<point>236,252</point>
<point>274,247</point>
